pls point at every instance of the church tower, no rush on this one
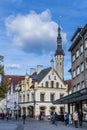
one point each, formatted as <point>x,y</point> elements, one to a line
<point>59,55</point>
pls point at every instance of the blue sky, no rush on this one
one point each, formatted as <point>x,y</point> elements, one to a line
<point>28,32</point>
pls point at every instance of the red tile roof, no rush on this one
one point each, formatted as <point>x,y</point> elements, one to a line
<point>15,79</point>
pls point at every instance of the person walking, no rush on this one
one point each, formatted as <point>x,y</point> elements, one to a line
<point>24,118</point>
<point>80,115</point>
<point>75,118</point>
<point>66,118</point>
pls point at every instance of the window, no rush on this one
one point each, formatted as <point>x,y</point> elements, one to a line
<point>52,84</point>
<point>73,58</point>
<point>77,53</point>
<point>85,43</point>
<point>23,98</point>
<point>54,77</point>
<point>61,95</point>
<point>82,67</point>
<point>57,85</point>
<point>78,70</point>
<point>42,97</point>
<point>78,86</point>
<point>27,97</point>
<point>86,63</point>
<point>42,84</point>
<point>52,97</point>
<point>74,89</point>
<point>49,77</point>
<point>81,48</point>
<point>74,73</point>
<point>46,84</point>
<point>20,98</point>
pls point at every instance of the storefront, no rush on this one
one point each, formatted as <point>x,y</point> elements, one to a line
<point>75,101</point>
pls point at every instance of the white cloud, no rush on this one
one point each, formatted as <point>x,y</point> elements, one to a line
<point>34,33</point>
<point>12,66</point>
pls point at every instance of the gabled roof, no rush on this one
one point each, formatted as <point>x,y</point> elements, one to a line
<point>41,75</point>
<point>15,79</point>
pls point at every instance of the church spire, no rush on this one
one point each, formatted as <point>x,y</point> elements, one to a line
<point>59,50</point>
<point>59,55</point>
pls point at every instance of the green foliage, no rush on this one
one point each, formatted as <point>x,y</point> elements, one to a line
<point>2,85</point>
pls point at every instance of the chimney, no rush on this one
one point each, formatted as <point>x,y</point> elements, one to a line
<point>39,68</point>
<point>32,71</point>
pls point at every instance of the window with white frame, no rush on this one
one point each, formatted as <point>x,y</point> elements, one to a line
<point>73,57</point>
<point>81,49</point>
<point>85,43</point>
<point>74,88</point>
<point>77,53</point>
<point>74,73</point>
<point>78,70</point>
<point>78,86</point>
<point>82,67</point>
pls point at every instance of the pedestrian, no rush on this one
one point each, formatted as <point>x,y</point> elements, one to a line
<point>66,117</point>
<point>24,118</point>
<point>80,115</point>
<point>70,119</point>
<point>54,119</point>
<point>2,116</point>
<point>75,118</point>
<point>7,116</point>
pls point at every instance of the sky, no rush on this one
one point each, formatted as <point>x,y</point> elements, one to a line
<point>28,32</point>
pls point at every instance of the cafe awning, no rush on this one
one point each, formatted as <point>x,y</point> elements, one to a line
<point>78,96</point>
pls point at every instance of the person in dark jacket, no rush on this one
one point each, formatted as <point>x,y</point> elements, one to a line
<point>80,115</point>
<point>24,118</point>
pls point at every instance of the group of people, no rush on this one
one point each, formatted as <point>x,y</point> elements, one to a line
<point>76,118</point>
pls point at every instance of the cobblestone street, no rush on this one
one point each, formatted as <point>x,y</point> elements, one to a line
<point>37,125</point>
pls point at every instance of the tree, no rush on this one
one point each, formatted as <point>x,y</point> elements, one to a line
<point>2,85</point>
